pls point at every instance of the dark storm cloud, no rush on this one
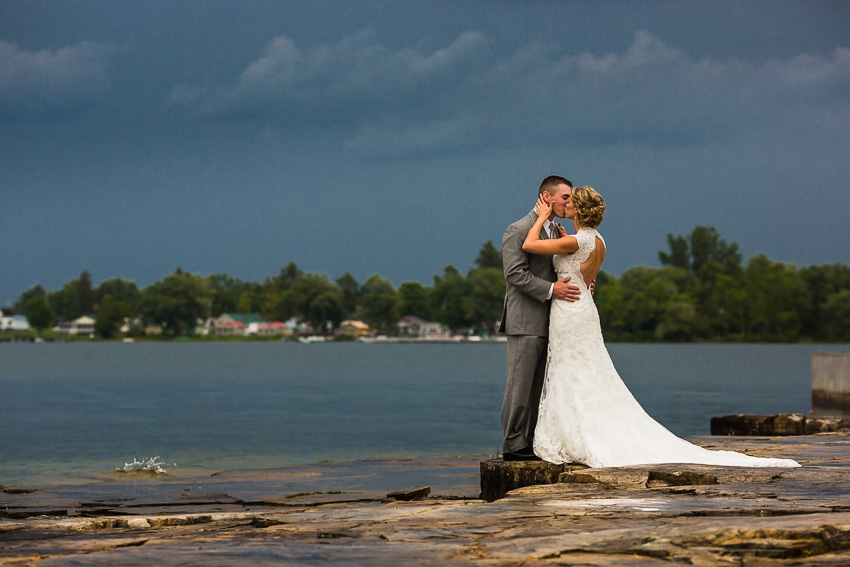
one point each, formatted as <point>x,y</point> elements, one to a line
<point>354,79</point>
<point>50,83</point>
<point>404,102</point>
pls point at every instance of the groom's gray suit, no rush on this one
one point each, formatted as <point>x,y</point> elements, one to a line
<point>525,319</point>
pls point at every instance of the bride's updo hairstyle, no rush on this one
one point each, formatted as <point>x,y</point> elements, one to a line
<point>589,206</point>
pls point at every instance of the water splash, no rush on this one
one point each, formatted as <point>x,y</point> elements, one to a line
<point>147,464</point>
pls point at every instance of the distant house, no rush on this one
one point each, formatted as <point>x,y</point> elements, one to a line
<point>354,329</point>
<point>233,324</point>
<point>413,326</point>
<point>297,327</point>
<point>266,328</point>
<point>81,326</point>
<point>432,330</point>
<point>409,325</point>
<point>153,330</point>
<point>14,323</point>
<point>132,325</point>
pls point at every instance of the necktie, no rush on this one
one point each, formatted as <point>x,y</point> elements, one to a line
<point>553,231</point>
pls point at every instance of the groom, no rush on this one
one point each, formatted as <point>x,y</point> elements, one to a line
<point>531,283</point>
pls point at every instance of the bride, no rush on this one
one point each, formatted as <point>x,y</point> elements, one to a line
<point>587,414</point>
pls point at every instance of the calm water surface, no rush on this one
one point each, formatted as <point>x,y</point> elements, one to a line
<point>73,411</point>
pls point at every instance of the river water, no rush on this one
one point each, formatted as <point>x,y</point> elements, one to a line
<point>72,412</point>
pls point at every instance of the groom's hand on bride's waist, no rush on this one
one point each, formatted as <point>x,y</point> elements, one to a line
<point>563,289</point>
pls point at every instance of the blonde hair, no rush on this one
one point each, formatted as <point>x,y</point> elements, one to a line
<point>589,206</point>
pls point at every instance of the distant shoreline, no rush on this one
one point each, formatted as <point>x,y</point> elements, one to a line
<point>388,340</point>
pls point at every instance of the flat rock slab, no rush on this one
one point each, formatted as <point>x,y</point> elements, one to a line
<point>655,476</point>
<point>778,424</point>
<point>650,515</point>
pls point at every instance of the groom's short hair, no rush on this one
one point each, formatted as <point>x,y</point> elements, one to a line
<point>548,185</point>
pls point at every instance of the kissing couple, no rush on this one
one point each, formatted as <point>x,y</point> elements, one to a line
<point>564,401</point>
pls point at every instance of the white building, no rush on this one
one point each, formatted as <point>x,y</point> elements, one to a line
<point>413,326</point>
<point>14,323</point>
<point>81,326</point>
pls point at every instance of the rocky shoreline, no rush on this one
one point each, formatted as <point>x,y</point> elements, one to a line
<point>645,515</point>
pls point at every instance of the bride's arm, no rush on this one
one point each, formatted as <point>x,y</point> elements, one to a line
<point>534,245</point>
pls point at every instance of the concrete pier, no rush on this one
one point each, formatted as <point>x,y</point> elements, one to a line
<point>831,380</point>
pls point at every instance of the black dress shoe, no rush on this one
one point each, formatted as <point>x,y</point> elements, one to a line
<point>526,454</point>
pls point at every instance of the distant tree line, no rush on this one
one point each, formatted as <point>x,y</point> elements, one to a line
<point>472,301</point>
<point>704,292</point>
<point>701,292</point>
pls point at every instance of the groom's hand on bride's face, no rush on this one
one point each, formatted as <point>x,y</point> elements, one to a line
<point>566,291</point>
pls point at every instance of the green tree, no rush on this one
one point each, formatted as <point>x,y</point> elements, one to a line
<point>837,319</point>
<point>729,299</point>
<point>39,314</point>
<point>677,321</point>
<point>244,305</point>
<point>270,305</point>
<point>486,297</point>
<point>819,283</point>
<point>379,302</point>
<point>110,315</point>
<point>489,257</point>
<point>350,293</point>
<point>82,301</point>
<point>450,295</point>
<point>75,299</point>
<point>60,301</point>
<point>712,260</point>
<point>288,275</point>
<point>176,302</point>
<point>706,244</point>
<point>325,307</point>
<point>703,244</point>
<point>771,289</point>
<point>227,291</point>
<point>608,297</point>
<point>317,300</point>
<point>641,310</point>
<point>121,291</point>
<point>679,256</point>
<point>654,303</point>
<point>278,299</point>
<point>307,296</point>
<point>23,300</point>
<point>415,299</point>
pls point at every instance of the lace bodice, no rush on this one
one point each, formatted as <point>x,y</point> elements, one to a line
<point>570,264</point>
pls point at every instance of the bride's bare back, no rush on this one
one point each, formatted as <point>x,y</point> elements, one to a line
<point>590,267</point>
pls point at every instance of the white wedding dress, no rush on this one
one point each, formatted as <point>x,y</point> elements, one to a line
<point>587,414</point>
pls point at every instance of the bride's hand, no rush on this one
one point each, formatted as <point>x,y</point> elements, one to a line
<point>542,208</point>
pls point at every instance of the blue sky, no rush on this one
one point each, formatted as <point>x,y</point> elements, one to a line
<point>397,137</point>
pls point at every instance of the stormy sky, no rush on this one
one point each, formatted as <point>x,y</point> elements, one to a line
<point>397,137</point>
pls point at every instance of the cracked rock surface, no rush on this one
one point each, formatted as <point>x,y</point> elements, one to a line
<point>639,515</point>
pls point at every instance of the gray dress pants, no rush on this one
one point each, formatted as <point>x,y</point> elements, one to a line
<point>526,366</point>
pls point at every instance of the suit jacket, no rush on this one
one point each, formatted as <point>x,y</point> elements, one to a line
<point>528,277</point>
